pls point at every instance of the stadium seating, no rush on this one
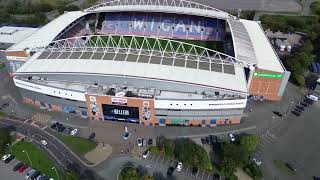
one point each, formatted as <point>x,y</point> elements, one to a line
<point>173,26</point>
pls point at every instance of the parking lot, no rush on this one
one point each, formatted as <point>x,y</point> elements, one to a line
<point>7,172</point>
<point>165,163</point>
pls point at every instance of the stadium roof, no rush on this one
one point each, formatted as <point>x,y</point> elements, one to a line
<point>48,32</point>
<point>253,46</point>
<point>13,35</point>
<point>234,82</point>
<point>169,6</point>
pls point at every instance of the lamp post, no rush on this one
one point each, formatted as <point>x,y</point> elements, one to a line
<point>53,168</point>
<point>9,147</point>
<point>27,156</point>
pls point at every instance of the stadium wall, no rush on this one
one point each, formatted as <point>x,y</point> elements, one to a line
<point>268,85</point>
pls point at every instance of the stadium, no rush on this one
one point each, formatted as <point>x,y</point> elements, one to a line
<point>157,63</point>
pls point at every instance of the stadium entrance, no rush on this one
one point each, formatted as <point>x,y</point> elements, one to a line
<point>120,113</point>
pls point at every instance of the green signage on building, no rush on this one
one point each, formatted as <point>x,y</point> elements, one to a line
<point>267,75</point>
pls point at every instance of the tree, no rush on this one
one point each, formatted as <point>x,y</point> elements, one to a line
<point>191,153</point>
<point>299,79</point>
<point>4,139</point>
<point>250,142</point>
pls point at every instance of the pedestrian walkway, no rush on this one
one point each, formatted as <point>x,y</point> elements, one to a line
<point>99,154</point>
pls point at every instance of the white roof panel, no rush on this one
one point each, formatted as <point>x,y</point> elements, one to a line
<point>235,82</point>
<point>13,35</point>
<point>48,32</point>
<point>265,55</point>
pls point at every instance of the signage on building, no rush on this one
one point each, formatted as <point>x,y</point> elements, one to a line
<point>119,101</point>
<point>267,75</point>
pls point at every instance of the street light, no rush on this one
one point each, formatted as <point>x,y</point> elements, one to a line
<point>53,168</point>
<point>27,156</point>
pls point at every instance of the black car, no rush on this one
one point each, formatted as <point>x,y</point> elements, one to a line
<point>170,171</point>
<point>308,101</point>
<point>150,142</point>
<point>277,113</point>
<point>291,167</point>
<point>92,135</point>
<point>203,141</point>
<point>295,113</point>
<point>54,126</point>
<point>10,158</point>
<point>44,178</point>
<point>300,107</point>
<point>298,110</point>
<point>35,175</point>
<point>208,140</point>
<point>214,139</point>
<point>194,171</point>
<point>4,106</point>
<point>304,104</point>
<point>17,166</point>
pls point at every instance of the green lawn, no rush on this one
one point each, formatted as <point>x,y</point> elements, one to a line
<point>40,159</point>
<point>282,166</point>
<point>77,144</point>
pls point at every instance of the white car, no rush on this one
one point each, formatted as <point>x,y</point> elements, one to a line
<point>145,154</point>
<point>5,157</point>
<point>255,161</point>
<point>312,97</point>
<point>231,137</point>
<point>179,166</point>
<point>73,132</point>
<point>139,142</point>
<point>43,142</point>
<point>126,136</point>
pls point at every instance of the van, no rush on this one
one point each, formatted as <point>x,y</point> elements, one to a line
<point>312,97</point>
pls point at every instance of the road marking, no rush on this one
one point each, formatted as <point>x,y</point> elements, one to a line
<point>208,176</point>
<point>187,170</point>
<point>172,163</point>
<point>161,161</point>
<point>151,159</point>
<point>44,128</point>
<point>197,173</point>
<point>165,165</point>
<point>157,159</point>
<point>202,175</point>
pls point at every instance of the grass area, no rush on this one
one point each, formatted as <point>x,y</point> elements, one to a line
<point>282,166</point>
<point>40,159</point>
<point>77,144</point>
<point>2,114</point>
<point>161,44</point>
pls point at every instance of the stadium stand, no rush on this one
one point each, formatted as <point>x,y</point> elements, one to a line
<point>172,26</point>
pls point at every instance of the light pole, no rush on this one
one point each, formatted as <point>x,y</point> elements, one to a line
<point>27,156</point>
<point>53,168</point>
<point>9,147</point>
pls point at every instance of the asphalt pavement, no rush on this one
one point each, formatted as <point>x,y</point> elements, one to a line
<point>6,171</point>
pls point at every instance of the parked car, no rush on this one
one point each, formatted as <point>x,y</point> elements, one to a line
<point>231,137</point>
<point>300,107</point>
<point>298,110</point>
<point>277,113</point>
<point>194,171</point>
<point>203,141</point>
<point>295,113</point>
<point>29,173</point>
<point>214,139</point>
<point>150,142</point>
<point>208,140</point>
<point>92,136</point>
<point>43,142</point>
<point>73,132</point>
<point>146,154</point>
<point>179,166</point>
<point>17,166</point>
<point>4,105</point>
<point>139,142</point>
<point>255,161</point>
<point>216,177</point>
<point>308,101</point>
<point>304,104</point>
<point>126,136</point>
<point>23,168</point>
<point>170,171</point>
<point>312,97</point>
<point>144,142</point>
<point>39,177</point>
<point>10,158</point>
<point>6,156</point>
<point>45,178</point>
<point>291,167</point>
<point>35,175</point>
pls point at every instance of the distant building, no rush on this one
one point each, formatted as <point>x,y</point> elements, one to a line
<point>10,35</point>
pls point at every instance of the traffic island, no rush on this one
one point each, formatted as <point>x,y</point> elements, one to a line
<point>283,167</point>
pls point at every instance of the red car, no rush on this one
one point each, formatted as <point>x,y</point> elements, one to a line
<point>23,168</point>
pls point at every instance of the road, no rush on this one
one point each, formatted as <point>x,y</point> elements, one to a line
<point>57,150</point>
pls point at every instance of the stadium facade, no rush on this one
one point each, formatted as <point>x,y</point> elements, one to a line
<point>153,62</point>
